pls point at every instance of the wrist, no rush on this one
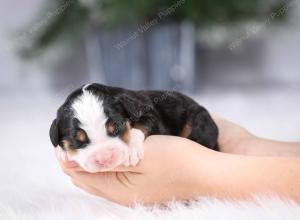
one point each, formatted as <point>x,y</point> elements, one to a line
<point>241,144</point>
<point>232,137</point>
<point>200,178</point>
<point>244,145</point>
<point>219,175</point>
<point>215,174</point>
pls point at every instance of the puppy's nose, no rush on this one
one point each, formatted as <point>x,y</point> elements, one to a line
<point>105,157</point>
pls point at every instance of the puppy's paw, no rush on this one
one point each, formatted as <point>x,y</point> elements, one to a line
<point>135,155</point>
<point>136,149</point>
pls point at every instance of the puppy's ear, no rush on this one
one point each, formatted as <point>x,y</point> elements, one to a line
<point>134,107</point>
<point>54,136</point>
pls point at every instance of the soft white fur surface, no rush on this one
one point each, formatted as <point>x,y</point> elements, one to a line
<point>45,204</point>
<point>32,186</point>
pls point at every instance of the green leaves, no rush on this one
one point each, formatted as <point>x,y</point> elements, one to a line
<point>72,15</point>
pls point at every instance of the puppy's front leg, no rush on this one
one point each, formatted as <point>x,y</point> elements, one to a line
<point>135,144</point>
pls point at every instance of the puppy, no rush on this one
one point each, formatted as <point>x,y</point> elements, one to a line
<point>101,127</point>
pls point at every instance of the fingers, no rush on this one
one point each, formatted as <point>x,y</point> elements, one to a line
<point>95,183</point>
<point>105,184</point>
<point>113,186</point>
<point>64,162</point>
<point>88,188</point>
<point>123,168</point>
<point>70,166</point>
<point>113,195</point>
<point>103,179</point>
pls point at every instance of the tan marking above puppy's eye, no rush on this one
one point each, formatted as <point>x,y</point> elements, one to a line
<point>186,130</point>
<point>126,136</point>
<point>81,136</point>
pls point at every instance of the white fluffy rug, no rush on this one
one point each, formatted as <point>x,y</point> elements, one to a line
<point>39,203</point>
<point>32,186</point>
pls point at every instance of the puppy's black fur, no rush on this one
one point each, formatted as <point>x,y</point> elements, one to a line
<point>154,112</point>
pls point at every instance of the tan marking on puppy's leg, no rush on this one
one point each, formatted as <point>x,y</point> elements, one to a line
<point>66,144</point>
<point>67,147</point>
<point>126,135</point>
<point>186,130</point>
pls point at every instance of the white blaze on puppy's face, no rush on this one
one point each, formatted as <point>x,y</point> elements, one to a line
<point>103,152</point>
<point>88,109</point>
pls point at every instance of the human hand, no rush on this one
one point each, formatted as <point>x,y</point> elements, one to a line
<point>167,171</point>
<point>179,168</point>
<point>237,140</point>
<point>232,137</point>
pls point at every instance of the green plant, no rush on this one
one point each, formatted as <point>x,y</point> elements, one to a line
<point>114,13</point>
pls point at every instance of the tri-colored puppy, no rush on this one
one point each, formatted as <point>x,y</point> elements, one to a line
<point>101,127</point>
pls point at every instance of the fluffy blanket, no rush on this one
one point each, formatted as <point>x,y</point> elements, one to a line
<point>39,203</point>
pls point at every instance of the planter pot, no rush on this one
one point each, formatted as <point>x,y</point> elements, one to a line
<point>152,56</point>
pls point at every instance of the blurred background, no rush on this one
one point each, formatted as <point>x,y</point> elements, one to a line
<point>240,59</point>
<point>237,58</point>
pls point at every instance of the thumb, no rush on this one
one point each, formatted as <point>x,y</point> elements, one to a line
<point>103,182</point>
